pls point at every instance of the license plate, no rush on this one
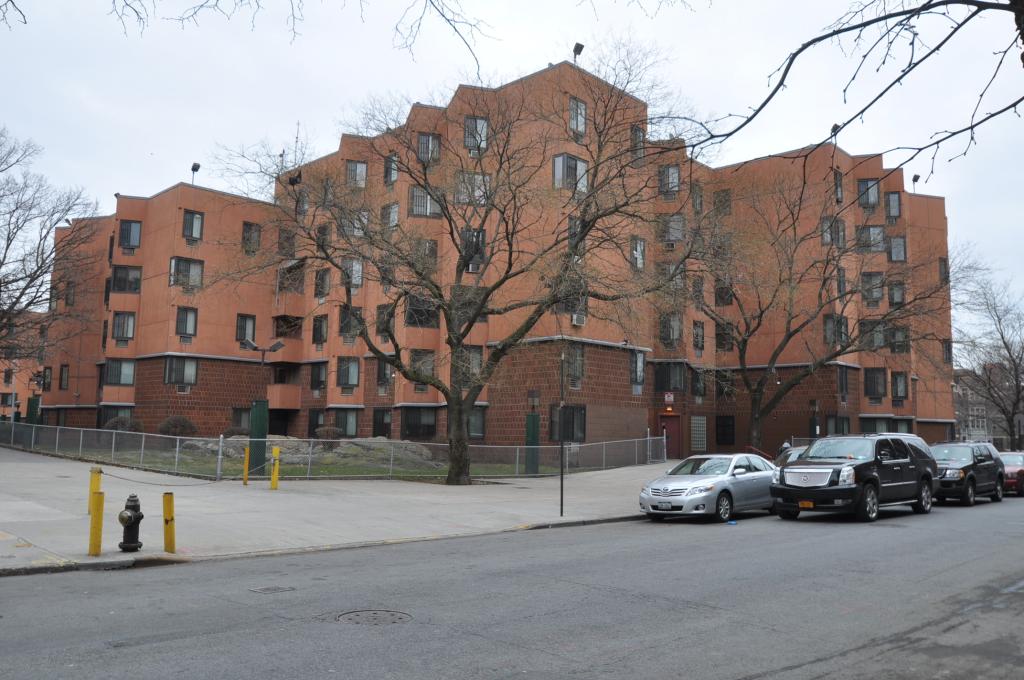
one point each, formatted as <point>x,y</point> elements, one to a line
<point>806,504</point>
<point>664,506</point>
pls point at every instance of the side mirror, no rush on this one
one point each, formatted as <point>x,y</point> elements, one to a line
<point>739,471</point>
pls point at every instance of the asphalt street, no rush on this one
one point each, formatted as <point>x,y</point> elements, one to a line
<point>938,596</point>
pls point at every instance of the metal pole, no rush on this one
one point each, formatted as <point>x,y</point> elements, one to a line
<point>81,436</point>
<point>13,424</point>
<point>220,455</point>
<point>648,446</point>
<point>32,445</point>
<point>309,462</point>
<point>56,441</point>
<point>391,462</point>
<point>561,434</point>
<point>142,449</point>
<point>636,452</point>
<point>177,452</point>
<point>113,443</point>
<point>517,461</point>
<point>604,455</point>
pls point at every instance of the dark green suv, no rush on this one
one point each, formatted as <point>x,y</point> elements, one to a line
<point>968,470</point>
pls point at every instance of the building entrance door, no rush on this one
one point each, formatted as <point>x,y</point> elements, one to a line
<point>278,421</point>
<point>671,427</point>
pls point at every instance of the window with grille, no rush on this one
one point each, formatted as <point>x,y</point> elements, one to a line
<point>467,362</point>
<point>475,133</point>
<point>126,279</point>
<point>428,147</point>
<point>892,204</point>
<point>419,423</point>
<point>898,249</point>
<point>668,181</point>
<point>119,372</point>
<point>124,326</point>
<point>352,272</point>
<point>698,335</point>
<point>347,420</point>
<point>636,141</point>
<point>422,361</point>
<point>573,423</point>
<point>670,329</point>
<point>871,239</point>
<point>130,234</point>
<point>251,234</point>
<point>354,223</point>
<point>472,188</point>
<point>348,371</point>
<point>318,376</point>
<point>570,173</point>
<point>577,116</point>
<point>574,367</point>
<point>673,227</point>
<point>245,327</point>
<point>422,204</point>
<point>186,273</point>
<point>874,382</point>
<point>636,368</point>
<point>421,312</point>
<point>900,386</point>
<point>180,371</point>
<point>186,321</point>
<point>391,169</point>
<point>833,232</point>
<point>287,326</point>
<point>668,377</point>
<point>355,174</point>
<point>291,278</point>
<point>192,228</point>
<point>319,329</point>
<point>389,215</point>
<point>867,193</point>
<point>350,322</point>
<point>385,320</point>
<point>285,242</point>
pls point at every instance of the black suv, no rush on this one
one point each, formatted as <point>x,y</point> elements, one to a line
<point>968,469</point>
<point>857,473</point>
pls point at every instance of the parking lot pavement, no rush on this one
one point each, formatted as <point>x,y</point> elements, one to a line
<point>43,510</point>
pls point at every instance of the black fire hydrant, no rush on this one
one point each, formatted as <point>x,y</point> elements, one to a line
<point>130,518</point>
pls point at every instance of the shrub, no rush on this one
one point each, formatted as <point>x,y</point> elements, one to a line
<point>236,430</point>
<point>329,433</point>
<point>177,426</point>
<point>122,424</point>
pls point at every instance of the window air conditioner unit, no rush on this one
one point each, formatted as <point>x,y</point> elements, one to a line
<point>182,389</point>
<point>191,241</point>
<point>473,268</point>
<point>575,383</point>
<point>348,390</point>
<point>897,403</point>
<point>185,339</point>
<point>670,245</point>
<point>316,393</point>
<point>127,251</point>
<point>474,153</point>
<point>319,347</point>
<point>890,220</point>
<point>321,300</point>
<point>579,319</point>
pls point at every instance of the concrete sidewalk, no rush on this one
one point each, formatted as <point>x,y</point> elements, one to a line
<point>44,522</point>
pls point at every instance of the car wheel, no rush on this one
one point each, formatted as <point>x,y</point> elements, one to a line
<point>967,499</point>
<point>655,518</point>
<point>867,509</point>
<point>772,509</point>
<point>723,507</point>
<point>789,514</point>
<point>924,498</point>
<point>997,497</point>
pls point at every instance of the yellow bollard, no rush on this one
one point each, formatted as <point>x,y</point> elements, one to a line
<point>276,470</point>
<point>169,522</point>
<point>245,468</point>
<point>95,523</point>
<point>94,484</point>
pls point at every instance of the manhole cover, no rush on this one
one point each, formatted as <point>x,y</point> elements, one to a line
<point>266,590</point>
<point>374,617</point>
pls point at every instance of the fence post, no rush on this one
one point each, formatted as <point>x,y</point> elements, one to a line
<point>13,424</point>
<point>32,445</point>
<point>142,449</point>
<point>177,452</point>
<point>56,441</point>
<point>81,436</point>
<point>113,444</point>
<point>604,455</point>
<point>517,461</point>
<point>220,455</point>
<point>648,446</point>
<point>636,452</point>
<point>309,462</point>
<point>391,462</point>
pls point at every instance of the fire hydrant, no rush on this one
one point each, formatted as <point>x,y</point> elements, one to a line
<point>130,518</point>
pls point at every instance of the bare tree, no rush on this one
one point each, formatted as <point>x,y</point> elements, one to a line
<point>34,227</point>
<point>991,346</point>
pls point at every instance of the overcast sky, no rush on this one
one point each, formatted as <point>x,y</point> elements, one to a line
<point>127,112</point>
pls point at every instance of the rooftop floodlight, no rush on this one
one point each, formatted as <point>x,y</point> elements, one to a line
<point>295,179</point>
<point>576,50</point>
<point>195,169</point>
<point>276,346</point>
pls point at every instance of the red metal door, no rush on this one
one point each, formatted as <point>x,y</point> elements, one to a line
<point>671,428</point>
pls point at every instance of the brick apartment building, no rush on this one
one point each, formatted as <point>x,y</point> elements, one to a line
<point>185,276</point>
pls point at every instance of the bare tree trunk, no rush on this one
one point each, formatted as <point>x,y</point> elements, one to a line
<point>458,444</point>
<point>754,433</point>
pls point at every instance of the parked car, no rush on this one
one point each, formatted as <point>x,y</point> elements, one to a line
<point>1013,462</point>
<point>789,454</point>
<point>720,485</point>
<point>968,470</point>
<point>858,474</point>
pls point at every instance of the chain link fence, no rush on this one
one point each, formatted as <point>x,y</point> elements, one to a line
<point>223,458</point>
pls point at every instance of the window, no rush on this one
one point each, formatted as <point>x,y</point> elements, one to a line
<point>472,188</point>
<point>698,335</point>
<point>673,227</point>
<point>833,232</point>
<point>872,334</point>
<point>428,147</point>
<point>186,273</point>
<point>301,202</point>
<point>670,329</point>
<point>385,373</point>
<point>636,368</point>
<point>636,141</point>
<point>186,322</point>
<point>130,234</point>
<point>422,204</point>
<point>668,377</point>
<point>385,320</point>
<point>322,282</point>
<point>570,173</point>
<point>122,372</point>
<point>354,223</point>
<point>347,420</point>
<point>63,376</point>
<point>871,239</point>
<point>245,327</point>
<point>421,312</point>
<point>843,381</point>
<point>841,281</point>
<point>103,334</point>
<point>355,174</point>
<point>947,351</point>
<point>668,181</point>
<point>725,430</point>
<point>316,421</point>
<point>419,423</point>
<point>326,198</point>
<point>474,135</point>
<point>837,425</point>
<point>723,337</point>
<point>697,387</point>
<point>467,361</point>
<point>867,193</point>
<point>7,399</point>
<point>723,293</point>
<point>465,301</point>
<point>477,422</point>
<point>574,364</point>
<point>697,290</point>
<point>573,423</point>
<point>425,253</point>
<point>319,329</point>
<point>352,272</point>
<point>180,371</point>
<point>69,294</point>
<point>874,382</point>
<point>722,202</point>
<point>192,227</point>
<point>422,361</point>
<point>871,287</point>
<point>837,330</point>
<point>348,371</point>
<point>251,234</point>
<point>577,117</point>
<point>943,270</point>
<point>696,197</point>
<point>291,278</point>
<point>124,326</point>
<point>978,419</point>
<point>390,169</point>
<point>899,339</point>
<point>897,293</point>
<point>350,321</point>
<point>285,242</point>
<point>287,326</point>
<point>898,249</point>
<point>892,204</point>
<point>899,385</point>
<point>126,279</point>
<point>389,215</point>
<point>837,184</point>
<point>318,376</point>
<point>8,376</point>
<point>637,252</point>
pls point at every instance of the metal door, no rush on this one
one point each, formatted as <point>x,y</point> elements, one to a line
<point>671,428</point>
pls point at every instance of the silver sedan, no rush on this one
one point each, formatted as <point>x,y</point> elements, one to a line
<point>719,485</point>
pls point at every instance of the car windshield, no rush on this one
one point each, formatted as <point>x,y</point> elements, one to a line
<point>1012,458</point>
<point>843,449</point>
<point>960,454</point>
<point>702,466</point>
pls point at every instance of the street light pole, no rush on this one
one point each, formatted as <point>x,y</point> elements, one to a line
<point>561,434</point>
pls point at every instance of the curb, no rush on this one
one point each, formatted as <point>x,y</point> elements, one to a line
<point>167,560</point>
